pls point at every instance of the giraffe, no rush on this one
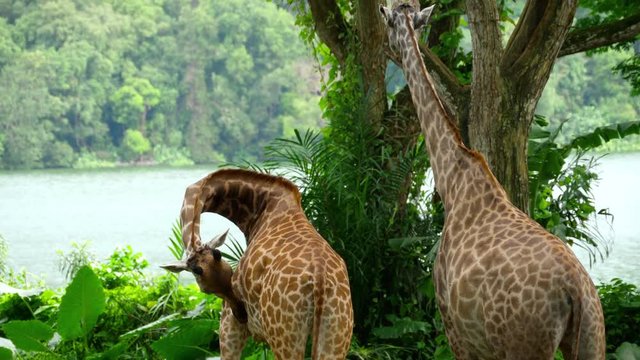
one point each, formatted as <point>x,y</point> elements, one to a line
<point>506,288</point>
<point>288,284</point>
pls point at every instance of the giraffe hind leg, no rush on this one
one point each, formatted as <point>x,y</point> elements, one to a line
<point>233,335</point>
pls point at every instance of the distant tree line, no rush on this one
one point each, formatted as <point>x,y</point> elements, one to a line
<point>583,94</point>
<point>91,83</point>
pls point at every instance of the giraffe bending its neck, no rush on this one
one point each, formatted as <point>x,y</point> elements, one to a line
<point>506,288</point>
<point>289,283</point>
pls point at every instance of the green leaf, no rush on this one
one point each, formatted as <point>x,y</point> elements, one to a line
<point>602,135</point>
<point>7,349</point>
<point>81,305</point>
<point>28,335</point>
<point>187,341</point>
<point>628,351</point>
<point>6,354</point>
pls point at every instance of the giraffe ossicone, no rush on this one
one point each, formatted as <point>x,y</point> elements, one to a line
<point>289,284</point>
<point>506,288</point>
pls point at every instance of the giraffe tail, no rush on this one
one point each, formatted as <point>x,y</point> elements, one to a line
<point>318,305</point>
<point>574,326</point>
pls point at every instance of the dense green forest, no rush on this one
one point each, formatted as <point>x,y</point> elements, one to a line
<point>94,83</point>
<point>89,83</point>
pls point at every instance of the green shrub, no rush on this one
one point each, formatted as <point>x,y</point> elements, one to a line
<point>134,145</point>
<point>111,311</point>
<point>171,156</point>
<point>58,154</point>
<point>89,160</point>
<point>77,257</point>
<point>621,306</point>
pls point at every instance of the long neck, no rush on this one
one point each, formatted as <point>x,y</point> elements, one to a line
<point>443,139</point>
<point>246,199</point>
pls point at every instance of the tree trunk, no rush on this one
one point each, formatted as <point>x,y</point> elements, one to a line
<point>373,61</point>
<point>507,84</point>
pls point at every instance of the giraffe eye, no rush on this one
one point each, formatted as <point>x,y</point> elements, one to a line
<point>197,270</point>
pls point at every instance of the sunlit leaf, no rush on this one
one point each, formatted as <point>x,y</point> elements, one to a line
<point>81,305</point>
<point>28,335</point>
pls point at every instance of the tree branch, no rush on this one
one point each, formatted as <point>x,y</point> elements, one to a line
<point>538,37</point>
<point>330,26</point>
<point>486,85</point>
<point>579,40</point>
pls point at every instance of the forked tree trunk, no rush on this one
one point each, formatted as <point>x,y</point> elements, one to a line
<point>495,112</point>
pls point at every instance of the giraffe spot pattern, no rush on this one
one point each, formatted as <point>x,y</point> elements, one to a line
<point>506,288</point>
<point>290,282</point>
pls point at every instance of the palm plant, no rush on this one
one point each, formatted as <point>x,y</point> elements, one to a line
<point>560,182</point>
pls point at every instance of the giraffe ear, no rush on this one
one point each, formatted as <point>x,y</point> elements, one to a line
<point>217,241</point>
<point>421,18</point>
<point>176,266</point>
<point>217,255</point>
<point>386,15</point>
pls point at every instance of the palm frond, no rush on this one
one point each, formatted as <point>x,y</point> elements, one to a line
<point>176,246</point>
<point>235,251</point>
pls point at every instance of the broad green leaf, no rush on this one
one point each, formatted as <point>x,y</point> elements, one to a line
<point>28,335</point>
<point>628,351</point>
<point>81,305</point>
<point>7,349</point>
<point>6,354</point>
<point>187,341</point>
<point>602,135</point>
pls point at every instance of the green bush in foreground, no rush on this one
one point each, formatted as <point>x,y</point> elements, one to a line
<point>111,310</point>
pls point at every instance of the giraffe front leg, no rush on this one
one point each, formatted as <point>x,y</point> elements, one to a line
<point>233,335</point>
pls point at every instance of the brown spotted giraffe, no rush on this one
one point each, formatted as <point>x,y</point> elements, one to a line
<point>506,288</point>
<point>289,283</point>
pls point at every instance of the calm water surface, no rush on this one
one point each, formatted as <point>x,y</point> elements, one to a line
<point>45,211</point>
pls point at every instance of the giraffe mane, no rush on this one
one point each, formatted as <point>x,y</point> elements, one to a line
<point>252,176</point>
<point>452,125</point>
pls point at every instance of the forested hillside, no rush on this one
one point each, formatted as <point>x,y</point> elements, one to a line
<point>87,83</point>
<point>90,82</point>
<point>583,93</point>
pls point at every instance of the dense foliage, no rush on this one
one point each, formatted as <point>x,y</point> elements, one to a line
<point>135,316</point>
<point>110,310</point>
<point>582,94</point>
<point>172,81</point>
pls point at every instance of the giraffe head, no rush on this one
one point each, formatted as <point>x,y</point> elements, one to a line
<point>204,261</point>
<point>404,19</point>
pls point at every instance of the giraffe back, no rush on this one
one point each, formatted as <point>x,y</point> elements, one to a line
<point>291,283</point>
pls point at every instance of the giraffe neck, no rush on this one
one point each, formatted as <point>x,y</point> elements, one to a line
<point>450,159</point>
<point>245,198</point>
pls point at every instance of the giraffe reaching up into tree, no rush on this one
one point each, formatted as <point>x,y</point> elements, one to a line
<point>289,283</point>
<point>506,288</point>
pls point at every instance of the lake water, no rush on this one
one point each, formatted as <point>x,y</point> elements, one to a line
<point>45,211</point>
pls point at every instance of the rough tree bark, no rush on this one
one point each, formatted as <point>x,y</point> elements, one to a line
<point>494,113</point>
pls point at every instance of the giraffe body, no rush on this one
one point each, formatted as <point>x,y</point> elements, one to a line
<point>289,283</point>
<point>506,288</point>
